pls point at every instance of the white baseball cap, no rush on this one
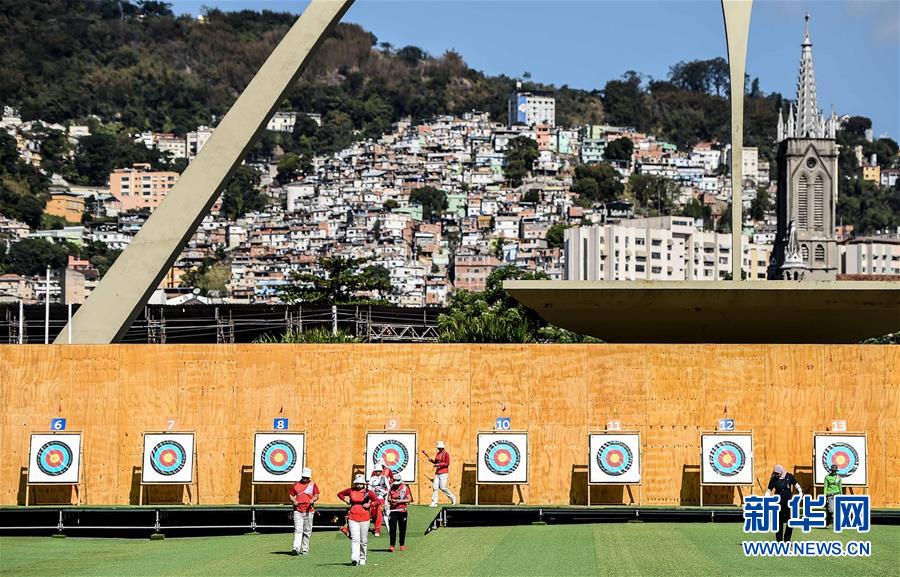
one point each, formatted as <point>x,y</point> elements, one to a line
<point>359,480</point>
<point>306,473</point>
<point>440,444</point>
<point>377,467</point>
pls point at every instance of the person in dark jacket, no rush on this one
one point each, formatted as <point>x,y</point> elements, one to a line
<point>783,484</point>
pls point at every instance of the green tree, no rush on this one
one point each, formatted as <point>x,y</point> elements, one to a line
<point>493,316</point>
<point>624,101</point>
<point>598,182</point>
<point>98,154</point>
<point>760,205</point>
<point>390,204</point>
<point>521,152</point>
<point>533,196</point>
<point>619,149</point>
<point>555,236</point>
<point>316,335</point>
<point>291,166</point>
<point>432,200</point>
<point>656,195</point>
<point>32,256</point>
<point>241,194</point>
<point>343,279</point>
<point>697,210</point>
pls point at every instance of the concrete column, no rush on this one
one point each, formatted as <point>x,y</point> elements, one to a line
<point>737,33</point>
<point>108,313</point>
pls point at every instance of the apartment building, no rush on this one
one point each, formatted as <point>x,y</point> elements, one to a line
<point>141,187</point>
<point>659,248</point>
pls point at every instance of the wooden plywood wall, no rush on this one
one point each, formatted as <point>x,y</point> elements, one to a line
<point>557,392</point>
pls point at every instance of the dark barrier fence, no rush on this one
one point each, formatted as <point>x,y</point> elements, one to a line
<point>232,323</point>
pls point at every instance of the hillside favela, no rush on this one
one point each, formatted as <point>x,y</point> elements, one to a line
<point>506,288</point>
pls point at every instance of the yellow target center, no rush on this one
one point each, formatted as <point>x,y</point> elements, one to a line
<point>168,458</point>
<point>54,458</point>
<point>840,460</point>
<point>726,458</point>
<point>278,457</point>
<point>390,457</point>
<point>614,458</point>
<point>502,457</point>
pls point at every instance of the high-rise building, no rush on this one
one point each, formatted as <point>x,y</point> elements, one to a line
<point>530,109</point>
<point>805,245</point>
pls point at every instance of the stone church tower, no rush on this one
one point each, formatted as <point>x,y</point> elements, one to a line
<point>807,157</point>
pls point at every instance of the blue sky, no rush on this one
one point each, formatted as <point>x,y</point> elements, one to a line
<point>584,43</point>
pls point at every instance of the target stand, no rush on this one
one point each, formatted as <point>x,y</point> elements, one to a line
<point>502,459</point>
<point>847,450</point>
<point>398,449</point>
<point>53,461</point>
<point>729,462</point>
<point>277,459</point>
<point>616,460</point>
<point>168,460</point>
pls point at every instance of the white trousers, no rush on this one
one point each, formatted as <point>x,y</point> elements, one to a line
<point>359,540</point>
<point>303,526</point>
<point>440,483</point>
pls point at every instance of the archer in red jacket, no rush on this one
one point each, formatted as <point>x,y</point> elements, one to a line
<point>441,464</point>
<point>360,499</point>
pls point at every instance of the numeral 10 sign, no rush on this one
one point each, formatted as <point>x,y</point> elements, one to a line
<point>502,424</point>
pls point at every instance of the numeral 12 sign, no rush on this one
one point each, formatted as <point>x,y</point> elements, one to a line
<point>726,424</point>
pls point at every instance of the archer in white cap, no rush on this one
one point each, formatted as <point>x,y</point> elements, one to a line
<point>304,493</point>
<point>360,499</point>
<point>441,464</point>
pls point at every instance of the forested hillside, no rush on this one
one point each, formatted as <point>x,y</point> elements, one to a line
<point>147,69</point>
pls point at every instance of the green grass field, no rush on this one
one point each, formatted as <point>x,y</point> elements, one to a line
<point>620,550</point>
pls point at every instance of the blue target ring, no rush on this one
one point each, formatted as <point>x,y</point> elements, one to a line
<point>392,453</point>
<point>278,457</point>
<point>168,457</point>
<point>727,458</point>
<point>614,458</point>
<point>502,457</point>
<point>54,458</point>
<point>843,456</point>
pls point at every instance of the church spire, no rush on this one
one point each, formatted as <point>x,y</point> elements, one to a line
<point>808,117</point>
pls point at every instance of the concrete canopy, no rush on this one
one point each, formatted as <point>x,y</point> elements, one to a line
<point>716,312</point>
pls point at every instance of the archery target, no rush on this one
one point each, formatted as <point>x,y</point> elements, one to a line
<point>54,459</point>
<point>278,457</point>
<point>397,451</point>
<point>168,458</point>
<point>848,452</point>
<point>615,459</point>
<point>503,457</point>
<point>727,459</point>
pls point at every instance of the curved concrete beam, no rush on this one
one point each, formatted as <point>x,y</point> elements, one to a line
<point>737,33</point>
<point>127,286</point>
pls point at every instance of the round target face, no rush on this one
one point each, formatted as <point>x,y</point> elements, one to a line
<point>168,457</point>
<point>54,458</point>
<point>614,458</point>
<point>278,457</point>
<point>727,458</point>
<point>843,456</point>
<point>392,453</point>
<point>501,457</point>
